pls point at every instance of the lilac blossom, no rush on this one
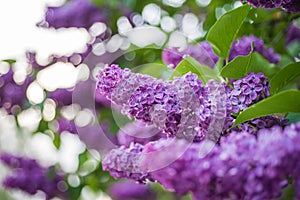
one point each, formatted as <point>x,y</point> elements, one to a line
<point>75,13</point>
<point>292,6</point>
<point>201,52</point>
<point>243,46</point>
<point>124,163</point>
<point>30,177</point>
<point>248,90</point>
<point>293,34</point>
<point>12,94</point>
<point>128,190</point>
<point>241,167</point>
<point>182,107</point>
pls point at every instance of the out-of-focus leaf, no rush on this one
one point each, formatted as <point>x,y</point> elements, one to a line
<point>283,102</point>
<point>288,193</point>
<point>285,76</point>
<point>189,64</point>
<point>9,61</point>
<point>242,65</point>
<point>74,192</point>
<point>156,70</point>
<point>224,31</point>
<point>56,140</point>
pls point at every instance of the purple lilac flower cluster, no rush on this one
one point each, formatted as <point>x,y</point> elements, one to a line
<point>75,13</point>
<point>254,125</point>
<point>124,163</point>
<point>242,167</point>
<point>202,52</point>
<point>182,107</point>
<point>243,46</point>
<point>292,6</point>
<point>30,177</point>
<point>138,132</point>
<point>12,93</point>
<point>129,190</point>
<point>248,90</point>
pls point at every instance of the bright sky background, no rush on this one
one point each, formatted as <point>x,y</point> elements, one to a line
<point>19,32</point>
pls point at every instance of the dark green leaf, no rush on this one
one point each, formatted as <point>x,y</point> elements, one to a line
<point>189,64</point>
<point>287,101</point>
<point>285,76</point>
<point>74,192</point>
<point>293,118</point>
<point>224,31</point>
<point>288,193</point>
<point>242,65</point>
<point>9,61</point>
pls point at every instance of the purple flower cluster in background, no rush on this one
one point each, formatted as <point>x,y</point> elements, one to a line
<point>248,90</point>
<point>242,167</point>
<point>129,190</point>
<point>293,34</point>
<point>12,94</point>
<point>243,46</point>
<point>182,107</point>
<point>124,163</point>
<point>29,176</point>
<point>292,6</point>
<point>201,52</point>
<point>66,125</point>
<point>75,13</point>
<point>204,54</point>
<point>62,97</point>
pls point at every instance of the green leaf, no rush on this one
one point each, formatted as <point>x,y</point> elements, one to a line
<point>189,64</point>
<point>9,61</point>
<point>156,70</point>
<point>285,76</point>
<point>283,102</point>
<point>293,118</point>
<point>224,31</point>
<point>242,65</point>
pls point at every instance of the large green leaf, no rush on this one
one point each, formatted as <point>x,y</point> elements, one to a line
<point>189,64</point>
<point>283,102</point>
<point>242,65</point>
<point>285,76</point>
<point>224,31</point>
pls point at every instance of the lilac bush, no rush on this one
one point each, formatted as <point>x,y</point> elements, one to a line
<point>214,127</point>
